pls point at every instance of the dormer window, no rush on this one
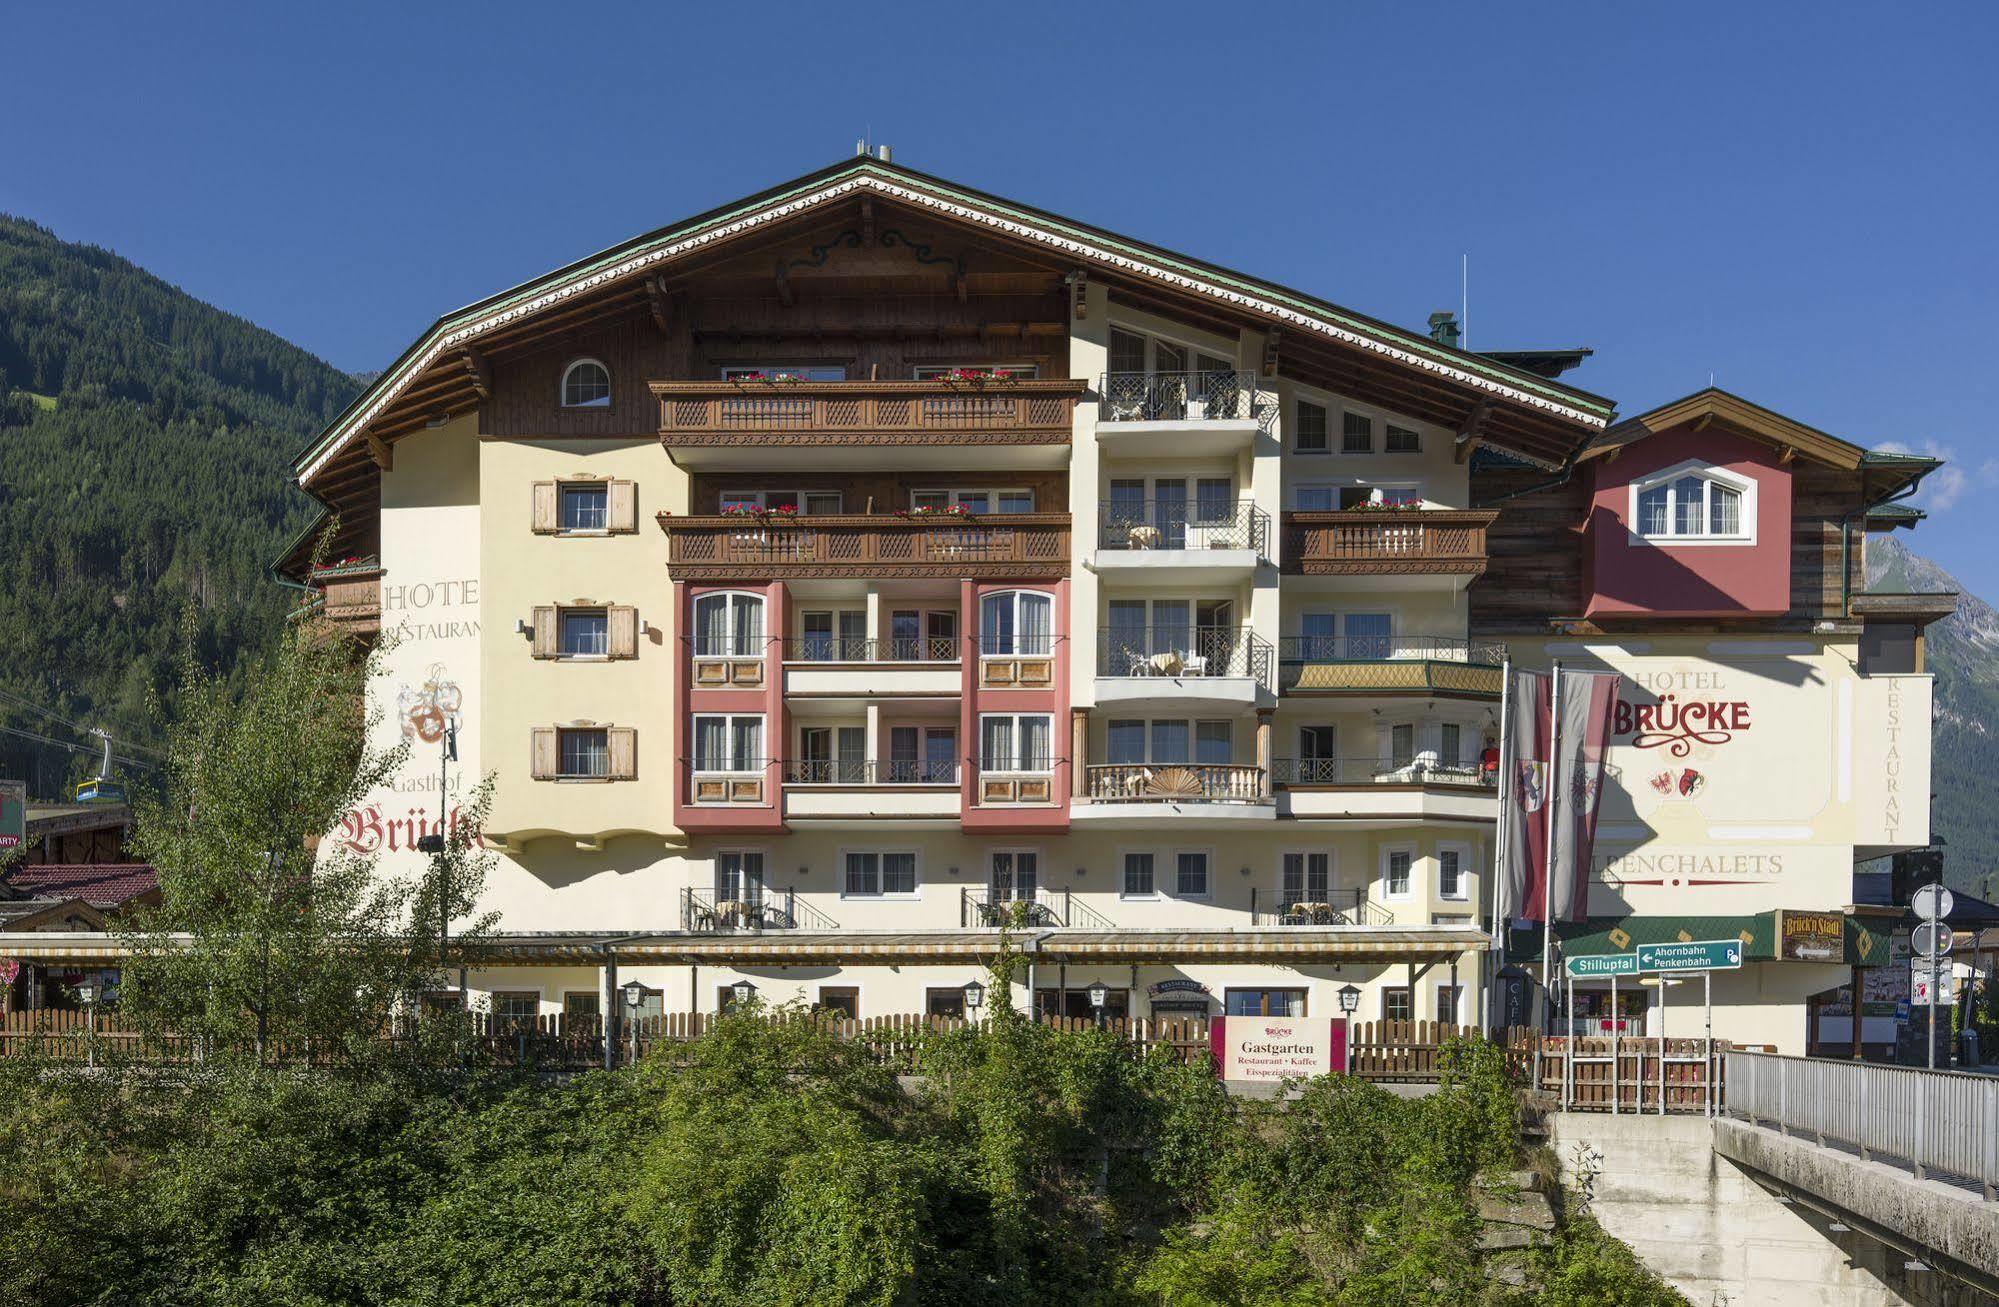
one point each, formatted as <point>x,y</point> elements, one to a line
<point>586,383</point>
<point>1694,504</point>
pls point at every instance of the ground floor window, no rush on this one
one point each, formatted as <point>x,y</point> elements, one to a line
<point>1266,1002</point>
<point>1398,1003</point>
<point>582,1006</point>
<point>1447,1003</point>
<point>944,1002</point>
<point>840,1000</point>
<point>516,1006</point>
<point>652,1003</point>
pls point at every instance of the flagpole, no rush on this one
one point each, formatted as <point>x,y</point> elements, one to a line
<point>1495,955</point>
<point>1554,787</point>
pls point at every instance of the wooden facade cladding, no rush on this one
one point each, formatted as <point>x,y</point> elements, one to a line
<point>351,598</point>
<point>1361,542</point>
<point>726,413</point>
<point>1014,546</point>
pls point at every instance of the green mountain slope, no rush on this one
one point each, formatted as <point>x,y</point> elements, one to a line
<point>1963,652</point>
<point>144,443</point>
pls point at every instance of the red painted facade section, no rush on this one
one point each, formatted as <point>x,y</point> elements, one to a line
<point>737,818</point>
<point>1626,575</point>
<point>1036,819</point>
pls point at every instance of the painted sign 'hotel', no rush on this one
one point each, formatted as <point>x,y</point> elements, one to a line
<point>830,577</point>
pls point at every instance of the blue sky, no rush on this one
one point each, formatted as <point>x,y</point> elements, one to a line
<point>1798,200</point>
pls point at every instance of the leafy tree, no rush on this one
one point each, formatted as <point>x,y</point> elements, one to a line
<point>268,935</point>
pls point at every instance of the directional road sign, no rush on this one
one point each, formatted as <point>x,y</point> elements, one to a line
<point>1602,964</point>
<point>1698,955</point>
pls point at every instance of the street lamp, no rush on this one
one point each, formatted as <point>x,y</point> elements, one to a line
<point>87,992</point>
<point>975,998</point>
<point>743,991</point>
<point>1349,996</point>
<point>635,994</point>
<point>1099,991</point>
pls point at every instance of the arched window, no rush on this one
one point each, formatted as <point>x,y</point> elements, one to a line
<point>1013,623</point>
<point>586,383</point>
<point>1692,503</point>
<point>729,624</point>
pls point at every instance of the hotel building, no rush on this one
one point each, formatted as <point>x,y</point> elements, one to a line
<point>832,576</point>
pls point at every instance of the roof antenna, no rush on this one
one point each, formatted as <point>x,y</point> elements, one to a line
<point>1464,302</point>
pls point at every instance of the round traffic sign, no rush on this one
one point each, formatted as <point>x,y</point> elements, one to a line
<point>1932,902</point>
<point>1930,939</point>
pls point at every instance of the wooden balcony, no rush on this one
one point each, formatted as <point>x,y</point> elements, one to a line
<point>351,597</point>
<point>1010,546</point>
<point>1360,542</point>
<point>861,413</point>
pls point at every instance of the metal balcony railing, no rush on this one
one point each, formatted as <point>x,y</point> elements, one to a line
<point>1152,524</point>
<point>1177,782</point>
<point>1423,767</point>
<point>853,649</point>
<point>1321,906</point>
<point>986,907</point>
<point>752,909</point>
<point>1215,396</point>
<point>870,771</point>
<point>1174,651</point>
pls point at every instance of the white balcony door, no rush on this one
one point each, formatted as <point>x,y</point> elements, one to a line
<point>1014,873</point>
<point>739,876</point>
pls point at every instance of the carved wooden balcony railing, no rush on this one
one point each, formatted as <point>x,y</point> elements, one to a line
<point>776,413</point>
<point>1407,540</point>
<point>1007,546</point>
<point>351,596</point>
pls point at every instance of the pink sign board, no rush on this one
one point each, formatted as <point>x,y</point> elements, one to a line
<point>1270,1049</point>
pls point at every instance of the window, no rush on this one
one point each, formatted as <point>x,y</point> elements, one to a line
<point>981,499</point>
<point>652,1003</point>
<point>1012,875</point>
<point>1450,873</point>
<point>1398,1003</point>
<point>1447,1003</point>
<point>1170,742</point>
<point>1308,878</point>
<point>879,875</point>
<point>1450,744</point>
<point>586,383</point>
<point>1264,1002</point>
<point>739,876</point>
<point>586,506</point>
<point>1401,440</point>
<point>1402,745</point>
<point>1356,433</point>
<point>582,1007</point>
<point>585,633</point>
<point>729,743</point>
<point>516,1007</point>
<point>1310,436</point>
<point>729,625</point>
<point>583,753</point>
<point>1014,623</point>
<point>1692,503</point>
<point>1016,742</point>
<point>1190,873</point>
<point>1360,637</point>
<point>833,636</point>
<point>944,1002</point>
<point>808,502</point>
<point>1138,876</point>
<point>1395,865</point>
<point>801,371</point>
<point>840,1001</point>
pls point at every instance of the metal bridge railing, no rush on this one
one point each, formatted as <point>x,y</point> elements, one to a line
<point>1945,1121</point>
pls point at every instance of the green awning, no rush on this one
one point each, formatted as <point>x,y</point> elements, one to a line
<point>1867,943</point>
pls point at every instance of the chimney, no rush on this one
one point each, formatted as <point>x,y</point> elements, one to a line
<point>1444,327</point>
<point>883,151</point>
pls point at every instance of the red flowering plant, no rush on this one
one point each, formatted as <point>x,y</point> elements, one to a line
<point>740,510</point>
<point>767,378</point>
<point>932,510</point>
<point>782,510</point>
<point>976,376</point>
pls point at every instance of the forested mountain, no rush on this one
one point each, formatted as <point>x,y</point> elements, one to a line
<point>144,443</point>
<point>1963,652</point>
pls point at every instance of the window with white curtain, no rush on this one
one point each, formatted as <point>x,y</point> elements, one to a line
<point>1015,623</point>
<point>1016,742</point>
<point>586,383</point>
<point>729,625</point>
<point>871,874</point>
<point>1693,503</point>
<point>728,742</point>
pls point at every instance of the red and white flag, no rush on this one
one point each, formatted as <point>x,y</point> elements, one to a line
<point>1524,758</point>
<point>1588,702</point>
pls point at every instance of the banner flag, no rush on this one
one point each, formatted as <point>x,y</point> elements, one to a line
<point>1524,759</point>
<point>1589,700</point>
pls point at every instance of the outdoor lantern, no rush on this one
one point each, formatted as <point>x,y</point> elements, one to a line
<point>1349,998</point>
<point>1099,991</point>
<point>744,992</point>
<point>87,992</point>
<point>975,996</point>
<point>635,994</point>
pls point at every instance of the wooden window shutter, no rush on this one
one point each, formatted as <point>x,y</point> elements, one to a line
<point>623,742</point>
<point>542,757</point>
<point>623,504</point>
<point>546,522</point>
<point>544,633</point>
<point>624,631</point>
